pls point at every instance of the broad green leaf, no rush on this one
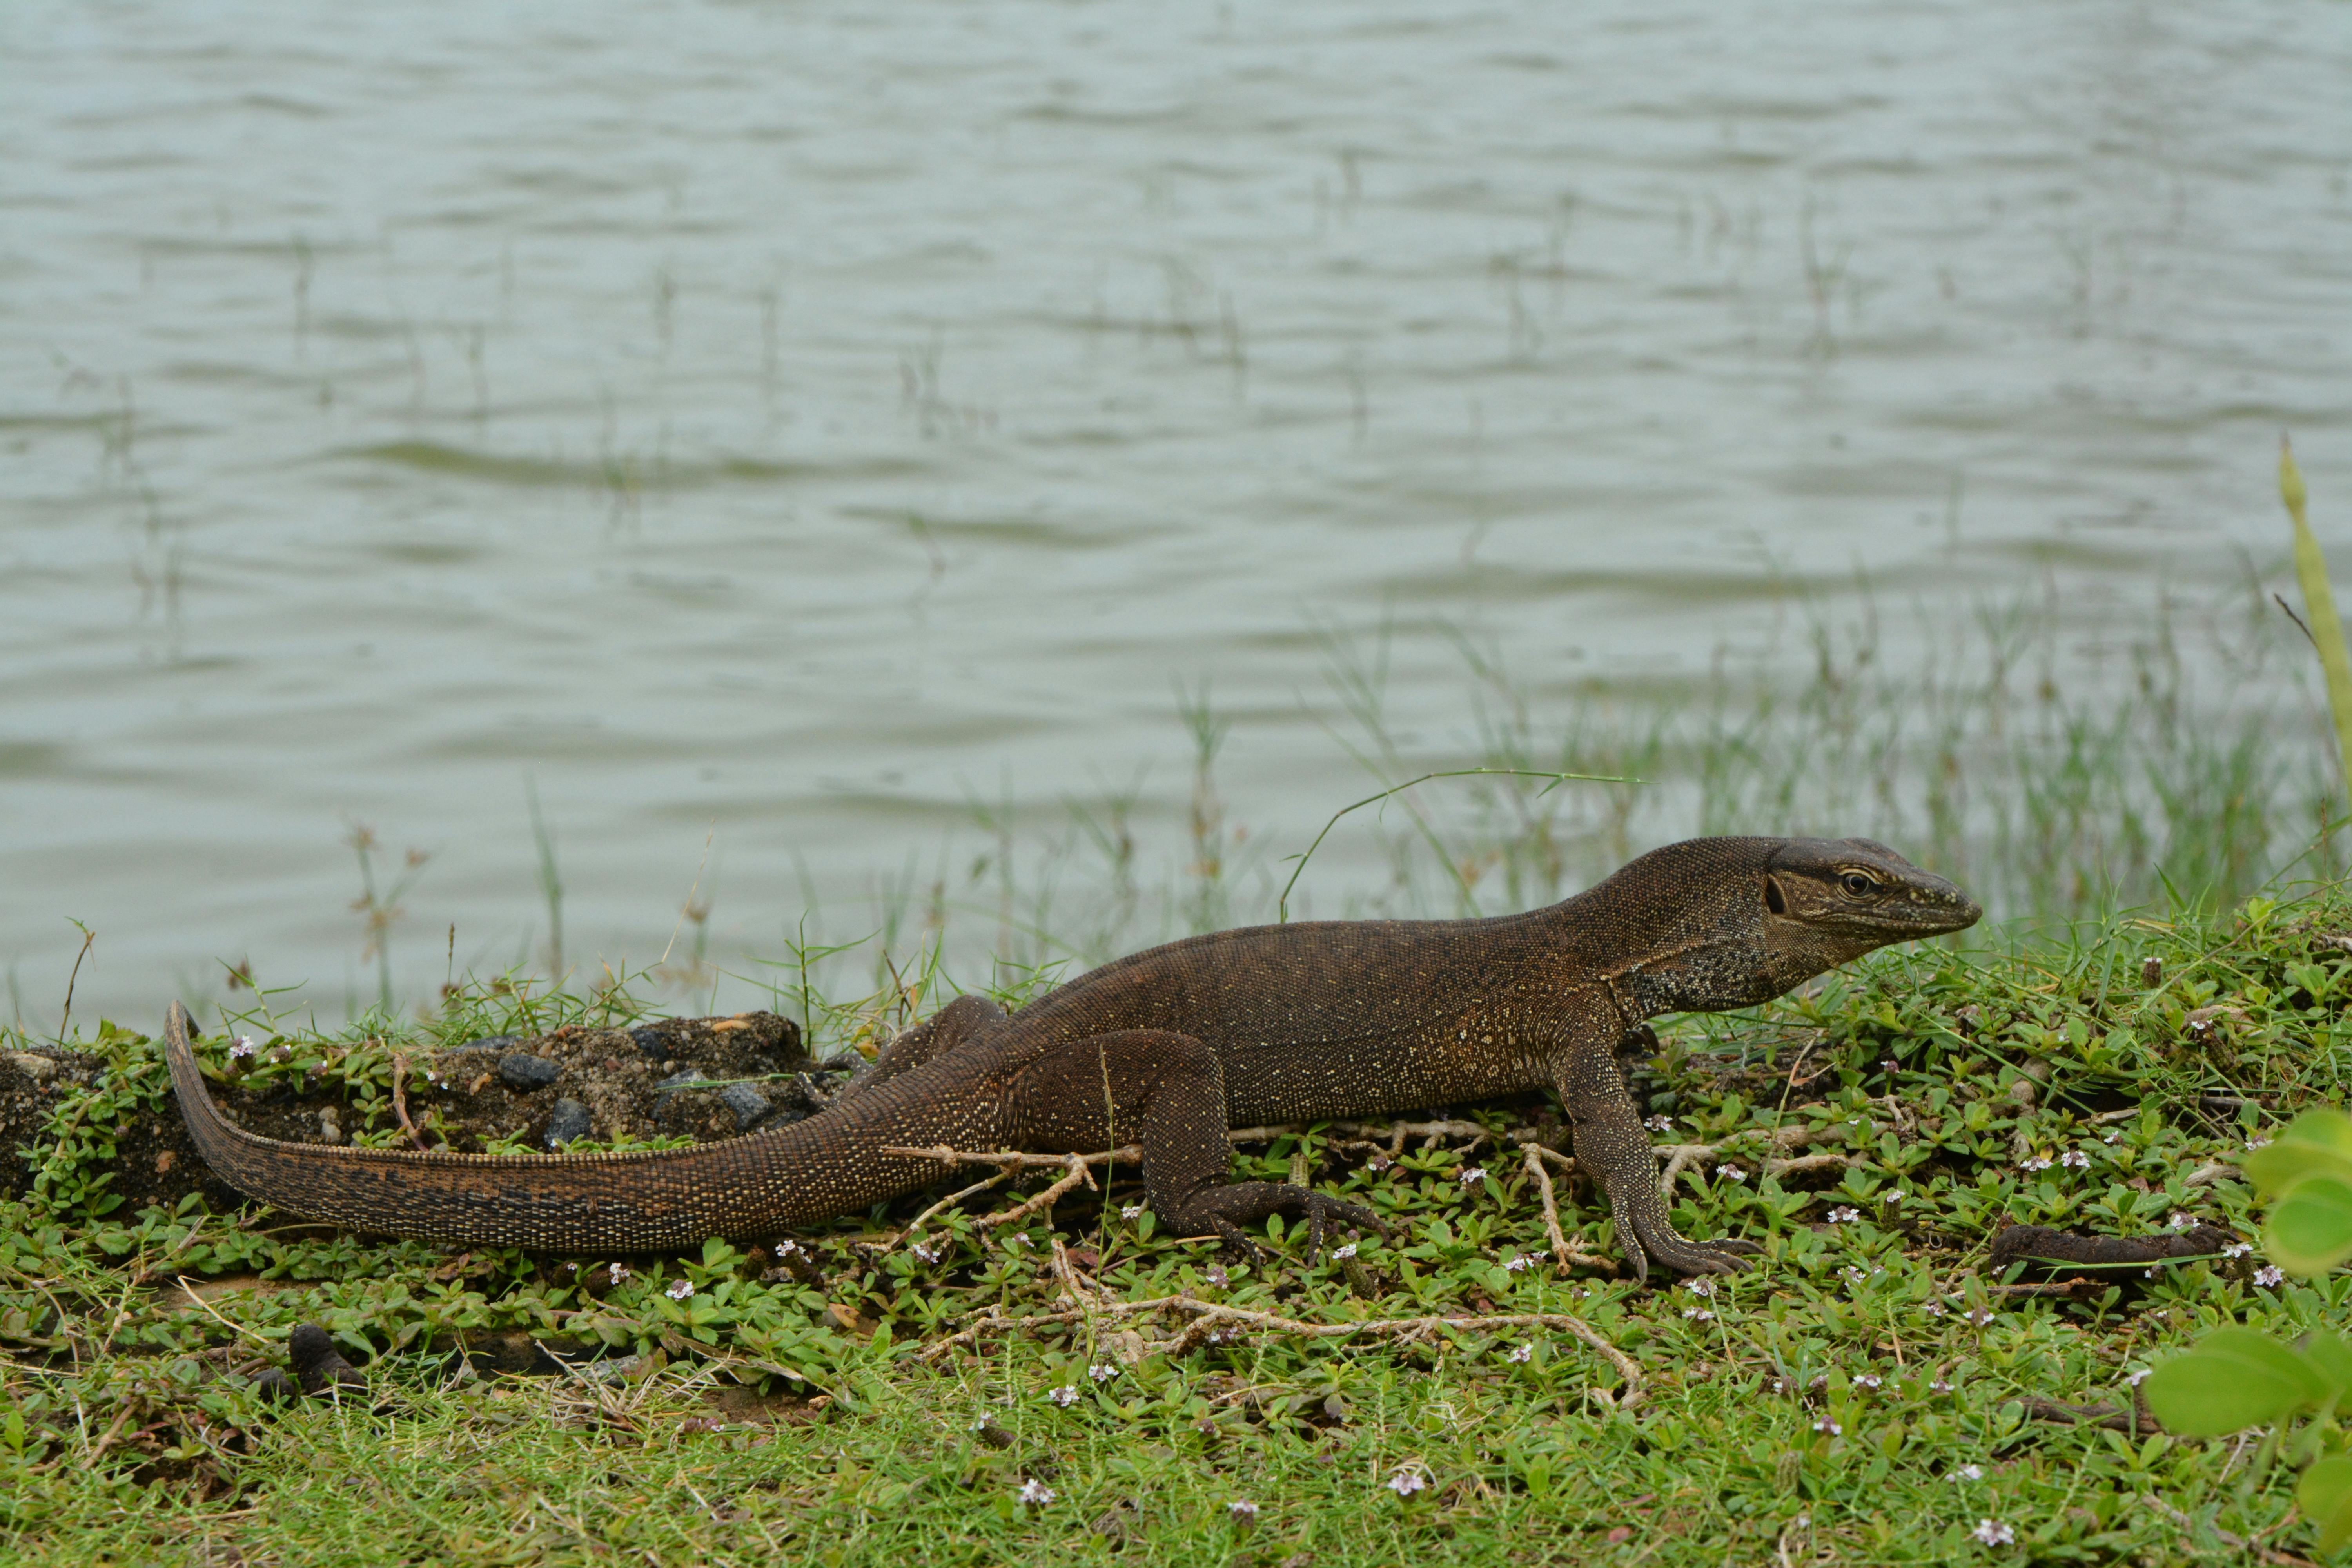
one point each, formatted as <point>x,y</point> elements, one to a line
<point>2325,1495</point>
<point>2309,1230</point>
<point>2318,1142</point>
<point>2328,1352</point>
<point>2235,1378</point>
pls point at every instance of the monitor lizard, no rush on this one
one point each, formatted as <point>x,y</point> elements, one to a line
<point>1167,1048</point>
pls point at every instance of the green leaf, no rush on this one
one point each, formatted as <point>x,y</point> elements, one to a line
<point>2235,1378</point>
<point>2310,1226</point>
<point>2319,1142</point>
<point>2328,1352</point>
<point>2325,1495</point>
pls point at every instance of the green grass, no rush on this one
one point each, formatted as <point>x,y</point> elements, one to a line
<point>752,1424</point>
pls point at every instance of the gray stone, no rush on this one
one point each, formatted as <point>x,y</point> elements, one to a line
<point>654,1042</point>
<point>490,1043</point>
<point>691,1078</point>
<point>40,1069</point>
<point>569,1121</point>
<point>524,1071</point>
<point>746,1102</point>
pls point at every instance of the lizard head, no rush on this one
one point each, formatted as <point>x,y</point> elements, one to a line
<point>1826,901</point>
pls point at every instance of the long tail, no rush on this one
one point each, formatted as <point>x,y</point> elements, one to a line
<point>745,1188</point>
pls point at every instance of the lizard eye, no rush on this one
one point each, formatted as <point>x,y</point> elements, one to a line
<point>1857,885</point>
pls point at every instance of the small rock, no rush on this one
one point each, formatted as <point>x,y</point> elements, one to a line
<point>687,1079</point>
<point>569,1121</point>
<point>746,1102</point>
<point>331,1128</point>
<point>40,1069</point>
<point>317,1364</point>
<point>490,1043</point>
<point>654,1042</point>
<point>526,1072</point>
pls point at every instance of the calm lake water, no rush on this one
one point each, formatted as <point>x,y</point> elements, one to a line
<point>767,431</point>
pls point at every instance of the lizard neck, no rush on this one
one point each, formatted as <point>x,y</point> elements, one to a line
<point>1680,929</point>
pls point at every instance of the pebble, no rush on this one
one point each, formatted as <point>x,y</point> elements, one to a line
<point>40,1069</point>
<point>678,1080</point>
<point>569,1121</point>
<point>524,1071</point>
<point>746,1102</point>
<point>492,1043</point>
<point>652,1041</point>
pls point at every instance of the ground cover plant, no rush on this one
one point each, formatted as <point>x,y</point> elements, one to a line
<point>1885,1386</point>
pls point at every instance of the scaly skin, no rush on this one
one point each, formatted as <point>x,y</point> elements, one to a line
<point>1168,1047</point>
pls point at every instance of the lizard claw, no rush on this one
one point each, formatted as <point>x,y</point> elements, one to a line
<point>1322,1208</point>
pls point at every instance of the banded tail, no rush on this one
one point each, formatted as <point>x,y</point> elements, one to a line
<point>655,1200</point>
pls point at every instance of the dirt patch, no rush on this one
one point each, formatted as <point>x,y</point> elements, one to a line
<point>707,1078</point>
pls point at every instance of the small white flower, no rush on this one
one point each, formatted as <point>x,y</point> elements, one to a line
<point>2074,1159</point>
<point>1065,1396</point>
<point>1518,1265</point>
<point>2149,1272</point>
<point>1036,1493</point>
<point>2114,1137</point>
<point>1130,1210</point>
<point>1866,1380</point>
<point>2237,1248</point>
<point>2182,1220</point>
<point>1699,1287</point>
<point>1897,1197</point>
<point>2269,1275</point>
<point>1475,1174</point>
<point>1379,1162</point>
<point>2258,1142</point>
<point>1981,1316</point>
<point>1214,1274</point>
<point>243,1047</point>
<point>1852,1275</point>
<point>618,1273</point>
<point>680,1290</point>
<point>787,1247</point>
<point>1731,1172</point>
<point>925,1251</point>
<point>1698,1314</point>
<point>2034,1163</point>
<point>1404,1483</point>
<point>1102,1372</point>
<point>2136,1378</point>
<point>1242,1508</point>
<point>1828,1425</point>
<point>1932,1308</point>
<point>1660,1124</point>
<point>1992,1532</point>
<point>1018,1238</point>
<point>1341,1254</point>
<point>1521,1354</point>
<point>1845,1213</point>
<point>1780,1385</point>
<point>1968,1473</point>
<point>1943,1385</point>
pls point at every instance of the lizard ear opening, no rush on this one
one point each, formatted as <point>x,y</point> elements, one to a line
<point>1774,900</point>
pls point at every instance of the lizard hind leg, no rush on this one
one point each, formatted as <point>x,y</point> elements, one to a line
<point>1165,1092</point>
<point>960,1021</point>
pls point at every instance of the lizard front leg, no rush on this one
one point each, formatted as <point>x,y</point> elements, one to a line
<point>1164,1091</point>
<point>1612,1143</point>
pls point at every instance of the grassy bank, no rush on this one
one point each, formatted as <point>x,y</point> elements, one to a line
<point>1872,1392</point>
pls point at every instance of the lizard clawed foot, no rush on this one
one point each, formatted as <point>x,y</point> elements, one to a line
<point>1322,1208</point>
<point>1686,1257</point>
